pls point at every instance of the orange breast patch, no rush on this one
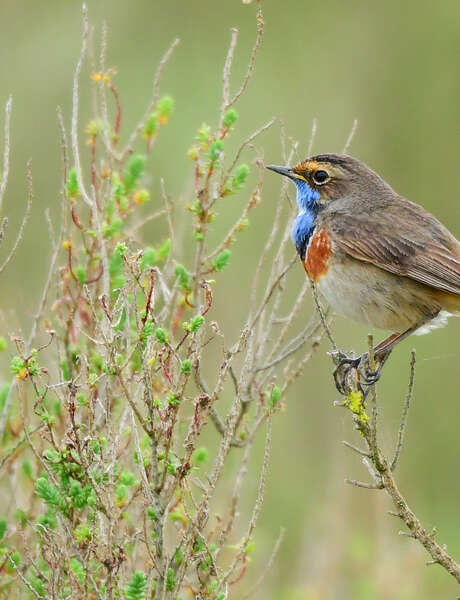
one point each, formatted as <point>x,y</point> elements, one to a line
<point>318,255</point>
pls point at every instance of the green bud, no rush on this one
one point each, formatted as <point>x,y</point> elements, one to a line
<point>150,128</point>
<point>80,273</point>
<point>216,149</point>
<point>161,335</point>
<point>133,172</point>
<point>148,257</point>
<point>230,118</point>
<point>221,260</point>
<point>186,366</point>
<point>184,278</point>
<point>72,184</point>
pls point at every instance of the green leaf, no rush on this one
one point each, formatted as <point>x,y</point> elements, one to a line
<point>3,526</point>
<point>230,118</point>
<point>184,277</point>
<point>161,335</point>
<point>221,260</point>
<point>133,172</point>
<point>72,184</point>
<point>136,588</point>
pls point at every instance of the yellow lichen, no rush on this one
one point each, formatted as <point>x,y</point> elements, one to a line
<point>355,402</point>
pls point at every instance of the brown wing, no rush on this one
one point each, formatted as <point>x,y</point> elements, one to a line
<point>404,239</point>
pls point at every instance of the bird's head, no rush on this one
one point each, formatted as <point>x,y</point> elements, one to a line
<point>325,178</point>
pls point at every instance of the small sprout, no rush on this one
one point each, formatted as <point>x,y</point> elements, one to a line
<point>148,331</point>
<point>216,149</point>
<point>193,153</point>
<point>80,273</point>
<point>72,184</point>
<point>203,135</point>
<point>165,109</point>
<point>221,260</point>
<point>136,588</point>
<point>78,570</point>
<point>200,456</point>
<point>184,277</point>
<point>170,580</point>
<point>3,344</point>
<point>151,513</point>
<point>275,396</point>
<point>230,118</point>
<point>3,526</point>
<point>94,127</point>
<point>186,366</point>
<point>82,533</point>
<point>127,478</point>
<point>172,399</point>
<point>194,324</point>
<point>150,128</point>
<point>141,196</point>
<point>163,251</point>
<point>27,469</point>
<point>239,179</point>
<point>133,172</point>
<point>161,335</point>
<point>148,257</point>
<point>17,365</point>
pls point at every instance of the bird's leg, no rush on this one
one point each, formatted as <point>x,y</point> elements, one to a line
<point>365,375</point>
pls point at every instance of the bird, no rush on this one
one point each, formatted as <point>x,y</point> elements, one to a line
<point>375,256</point>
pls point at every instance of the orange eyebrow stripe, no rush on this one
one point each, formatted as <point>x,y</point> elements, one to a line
<point>318,255</point>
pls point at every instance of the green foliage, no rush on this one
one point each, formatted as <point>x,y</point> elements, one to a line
<point>200,456</point>
<point>230,118</point>
<point>136,588</point>
<point>194,324</point>
<point>186,366</point>
<point>72,184</point>
<point>221,260</point>
<point>50,494</point>
<point>4,391</point>
<point>149,256</point>
<point>161,335</point>
<point>3,526</point>
<point>184,277</point>
<point>150,128</point>
<point>216,149</point>
<point>82,533</point>
<point>170,580</point>
<point>3,343</point>
<point>78,570</point>
<point>133,172</point>
<point>80,273</point>
<point>239,179</point>
<point>163,251</point>
<point>165,109</point>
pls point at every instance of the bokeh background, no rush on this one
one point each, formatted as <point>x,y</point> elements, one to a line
<point>394,67</point>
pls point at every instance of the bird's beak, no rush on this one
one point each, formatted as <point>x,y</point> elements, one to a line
<point>286,171</point>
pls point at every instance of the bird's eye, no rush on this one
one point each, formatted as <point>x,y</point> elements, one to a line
<point>321,176</point>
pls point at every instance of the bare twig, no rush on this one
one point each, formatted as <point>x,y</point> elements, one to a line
<point>6,151</point>
<point>25,218</point>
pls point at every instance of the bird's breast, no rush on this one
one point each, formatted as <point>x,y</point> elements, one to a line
<point>318,254</point>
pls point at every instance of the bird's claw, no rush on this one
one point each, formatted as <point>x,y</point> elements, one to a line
<point>347,366</point>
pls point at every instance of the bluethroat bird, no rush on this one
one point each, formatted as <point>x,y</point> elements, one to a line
<point>376,257</point>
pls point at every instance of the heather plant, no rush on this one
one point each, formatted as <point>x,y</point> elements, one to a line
<point>133,392</point>
<point>126,367</point>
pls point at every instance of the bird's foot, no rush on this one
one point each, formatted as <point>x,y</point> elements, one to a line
<point>354,372</point>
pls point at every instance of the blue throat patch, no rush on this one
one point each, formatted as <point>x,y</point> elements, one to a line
<point>304,224</point>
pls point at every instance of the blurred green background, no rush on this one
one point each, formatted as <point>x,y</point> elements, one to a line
<point>394,67</point>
